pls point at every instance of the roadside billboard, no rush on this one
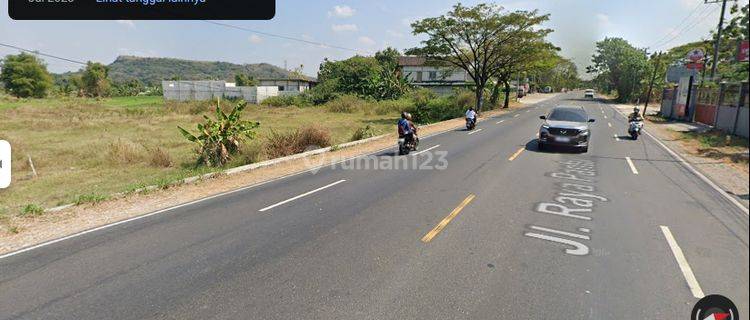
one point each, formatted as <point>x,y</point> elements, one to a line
<point>743,51</point>
<point>677,72</point>
<point>683,91</point>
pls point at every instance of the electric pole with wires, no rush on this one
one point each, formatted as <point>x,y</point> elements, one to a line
<point>718,35</point>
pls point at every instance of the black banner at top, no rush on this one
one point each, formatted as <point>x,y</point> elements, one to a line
<point>141,9</point>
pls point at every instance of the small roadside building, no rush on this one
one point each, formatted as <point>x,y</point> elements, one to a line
<point>289,86</point>
<point>208,90</point>
<point>438,77</point>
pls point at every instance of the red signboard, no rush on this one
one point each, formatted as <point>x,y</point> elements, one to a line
<point>696,66</point>
<point>743,51</point>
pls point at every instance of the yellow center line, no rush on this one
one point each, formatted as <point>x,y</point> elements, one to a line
<point>428,237</point>
<point>515,155</point>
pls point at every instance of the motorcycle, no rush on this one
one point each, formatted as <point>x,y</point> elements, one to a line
<point>634,129</point>
<point>470,124</point>
<point>405,147</point>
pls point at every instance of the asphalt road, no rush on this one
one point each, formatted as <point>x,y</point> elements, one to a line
<point>485,227</point>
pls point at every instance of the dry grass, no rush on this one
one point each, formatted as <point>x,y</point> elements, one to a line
<point>87,146</point>
<point>160,157</point>
<point>281,144</point>
<point>124,152</point>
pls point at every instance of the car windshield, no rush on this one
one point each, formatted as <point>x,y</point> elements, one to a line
<point>567,115</point>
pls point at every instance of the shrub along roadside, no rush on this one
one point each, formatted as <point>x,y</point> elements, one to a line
<point>297,141</point>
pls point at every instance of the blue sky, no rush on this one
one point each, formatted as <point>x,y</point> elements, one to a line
<point>361,25</point>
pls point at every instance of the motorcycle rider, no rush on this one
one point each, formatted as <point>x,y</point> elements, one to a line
<point>406,128</point>
<point>471,115</point>
<point>635,116</point>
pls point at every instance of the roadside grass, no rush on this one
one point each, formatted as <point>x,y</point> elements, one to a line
<point>717,144</point>
<point>87,149</point>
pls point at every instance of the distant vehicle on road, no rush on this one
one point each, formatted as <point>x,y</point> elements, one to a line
<point>566,126</point>
<point>547,89</point>
<point>520,93</point>
<point>589,93</point>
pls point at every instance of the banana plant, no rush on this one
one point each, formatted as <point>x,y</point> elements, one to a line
<point>219,139</point>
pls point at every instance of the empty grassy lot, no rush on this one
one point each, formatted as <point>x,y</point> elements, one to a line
<point>84,150</point>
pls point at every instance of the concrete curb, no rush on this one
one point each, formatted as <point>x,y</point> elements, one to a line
<point>276,161</point>
<point>236,170</point>
<point>692,169</point>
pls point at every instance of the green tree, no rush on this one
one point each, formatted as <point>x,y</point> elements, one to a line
<point>24,75</point>
<point>476,39</point>
<point>374,77</point>
<point>735,30</point>
<point>243,80</point>
<point>95,80</point>
<point>625,67</point>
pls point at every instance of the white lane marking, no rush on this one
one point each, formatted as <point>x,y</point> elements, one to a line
<point>699,175</point>
<point>632,166</point>
<point>617,138</point>
<point>687,272</point>
<point>189,203</point>
<point>515,116</point>
<point>609,124</point>
<point>499,122</point>
<point>475,131</point>
<point>302,195</point>
<point>425,150</point>
<point>605,117</point>
<point>527,111</point>
<point>564,233</point>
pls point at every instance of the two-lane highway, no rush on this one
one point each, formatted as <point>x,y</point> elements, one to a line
<point>477,225</point>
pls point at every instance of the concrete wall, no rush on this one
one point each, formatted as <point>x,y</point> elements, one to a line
<point>731,114</point>
<point>210,90</point>
<point>441,74</point>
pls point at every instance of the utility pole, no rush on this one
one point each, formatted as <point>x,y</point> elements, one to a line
<point>653,78</point>
<point>718,36</point>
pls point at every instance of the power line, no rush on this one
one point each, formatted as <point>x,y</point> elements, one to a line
<point>700,19</point>
<point>268,34</point>
<point>36,52</point>
<point>698,5</point>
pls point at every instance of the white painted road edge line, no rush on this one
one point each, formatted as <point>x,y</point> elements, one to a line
<point>425,150</point>
<point>302,195</point>
<point>699,174</point>
<point>475,131</point>
<point>515,116</point>
<point>214,196</point>
<point>499,122</point>
<point>632,166</point>
<point>693,170</point>
<point>687,272</point>
<point>609,124</point>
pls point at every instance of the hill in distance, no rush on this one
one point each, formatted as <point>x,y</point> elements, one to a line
<point>152,71</point>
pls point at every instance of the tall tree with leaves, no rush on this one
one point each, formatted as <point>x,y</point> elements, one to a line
<point>95,80</point>
<point>475,39</point>
<point>625,66</point>
<point>24,75</point>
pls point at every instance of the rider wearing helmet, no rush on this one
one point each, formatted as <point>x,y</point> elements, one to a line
<point>471,115</point>
<point>635,116</point>
<point>406,128</point>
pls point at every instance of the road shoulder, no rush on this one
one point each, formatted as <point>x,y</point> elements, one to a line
<point>729,175</point>
<point>72,220</point>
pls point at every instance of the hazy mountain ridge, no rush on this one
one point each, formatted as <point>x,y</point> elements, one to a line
<point>152,71</point>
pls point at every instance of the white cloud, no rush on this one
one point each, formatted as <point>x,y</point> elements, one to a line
<point>341,12</point>
<point>603,20</point>
<point>367,41</point>
<point>344,28</point>
<point>128,23</point>
<point>394,33</point>
<point>255,39</point>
